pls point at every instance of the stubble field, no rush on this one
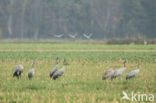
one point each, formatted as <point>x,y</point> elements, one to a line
<point>82,81</point>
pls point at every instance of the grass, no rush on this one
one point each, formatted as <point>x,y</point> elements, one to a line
<point>73,46</point>
<point>82,80</point>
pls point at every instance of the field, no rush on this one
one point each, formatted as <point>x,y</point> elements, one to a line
<point>82,81</point>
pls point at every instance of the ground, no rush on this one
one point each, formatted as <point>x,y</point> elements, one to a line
<point>82,81</point>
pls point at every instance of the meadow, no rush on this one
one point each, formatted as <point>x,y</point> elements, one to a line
<point>82,81</point>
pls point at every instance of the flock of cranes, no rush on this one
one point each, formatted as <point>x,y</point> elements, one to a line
<point>55,73</point>
<point>73,36</point>
<point>113,73</point>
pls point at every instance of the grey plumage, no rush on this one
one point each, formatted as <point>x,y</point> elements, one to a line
<point>59,72</point>
<point>87,36</point>
<point>72,35</point>
<point>32,71</point>
<point>54,69</point>
<point>133,73</point>
<point>18,71</point>
<point>119,72</point>
<point>58,36</point>
<point>108,74</point>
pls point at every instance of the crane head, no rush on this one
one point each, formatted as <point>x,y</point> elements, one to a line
<point>33,63</point>
<point>138,65</point>
<point>124,63</point>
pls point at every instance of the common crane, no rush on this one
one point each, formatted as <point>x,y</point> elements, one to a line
<point>18,71</point>
<point>87,36</point>
<point>145,42</point>
<point>133,73</point>
<point>31,72</point>
<point>108,74</point>
<point>72,36</point>
<point>59,72</point>
<point>54,69</point>
<point>120,71</point>
<point>58,36</point>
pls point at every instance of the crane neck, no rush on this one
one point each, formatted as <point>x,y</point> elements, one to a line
<point>138,66</point>
<point>33,64</point>
<point>124,65</point>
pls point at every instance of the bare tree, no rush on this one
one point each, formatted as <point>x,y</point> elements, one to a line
<point>10,17</point>
<point>109,14</point>
<point>22,18</point>
<point>37,16</point>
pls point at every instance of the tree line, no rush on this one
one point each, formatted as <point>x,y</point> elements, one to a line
<point>103,18</point>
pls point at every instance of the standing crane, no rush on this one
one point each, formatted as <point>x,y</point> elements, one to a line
<point>54,69</point>
<point>59,72</point>
<point>133,73</point>
<point>18,71</point>
<point>120,71</point>
<point>31,72</point>
<point>108,74</point>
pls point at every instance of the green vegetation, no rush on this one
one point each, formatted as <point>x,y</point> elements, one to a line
<point>73,46</point>
<point>82,81</point>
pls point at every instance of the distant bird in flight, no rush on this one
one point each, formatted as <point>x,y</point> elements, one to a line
<point>72,35</point>
<point>58,36</point>
<point>87,36</point>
